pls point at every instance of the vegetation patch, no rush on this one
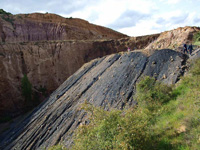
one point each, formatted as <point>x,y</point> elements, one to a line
<point>196,38</point>
<point>58,147</point>
<point>165,118</point>
<point>26,88</point>
<point>6,16</point>
<point>4,12</point>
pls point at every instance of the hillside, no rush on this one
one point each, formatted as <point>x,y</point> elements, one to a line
<point>108,82</point>
<point>49,48</point>
<point>48,64</point>
<point>37,44</point>
<point>165,117</point>
<point>174,39</point>
<point>45,27</point>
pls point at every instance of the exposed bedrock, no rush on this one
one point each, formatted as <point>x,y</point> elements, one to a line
<point>108,82</point>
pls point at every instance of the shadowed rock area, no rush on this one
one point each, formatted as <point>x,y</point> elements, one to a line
<point>107,82</point>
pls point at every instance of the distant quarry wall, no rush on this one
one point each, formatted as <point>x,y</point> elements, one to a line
<point>49,63</point>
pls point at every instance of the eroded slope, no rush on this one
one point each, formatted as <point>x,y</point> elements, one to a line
<point>105,81</point>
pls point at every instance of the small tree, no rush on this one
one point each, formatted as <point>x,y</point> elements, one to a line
<point>26,88</point>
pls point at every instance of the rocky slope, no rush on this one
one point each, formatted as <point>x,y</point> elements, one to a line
<point>43,27</point>
<point>174,39</point>
<point>37,44</point>
<point>108,82</point>
<point>50,48</point>
<point>49,63</point>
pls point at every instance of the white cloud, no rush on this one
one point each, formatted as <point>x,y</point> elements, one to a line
<point>143,27</point>
<point>170,1</point>
<point>143,17</point>
<point>173,1</point>
<point>111,10</point>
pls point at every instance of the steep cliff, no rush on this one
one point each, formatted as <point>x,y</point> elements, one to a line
<point>107,82</point>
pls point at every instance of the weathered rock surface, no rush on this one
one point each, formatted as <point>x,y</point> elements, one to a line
<point>108,80</point>
<point>50,48</point>
<point>49,63</point>
<point>43,27</point>
<point>174,39</point>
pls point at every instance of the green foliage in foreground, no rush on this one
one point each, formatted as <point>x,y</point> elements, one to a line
<point>166,118</point>
<point>129,129</point>
<point>196,38</point>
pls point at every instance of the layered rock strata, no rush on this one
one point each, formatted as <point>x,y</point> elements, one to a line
<point>108,82</point>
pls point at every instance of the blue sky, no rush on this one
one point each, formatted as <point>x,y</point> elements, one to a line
<point>131,17</point>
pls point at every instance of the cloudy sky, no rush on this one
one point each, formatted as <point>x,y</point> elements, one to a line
<point>131,17</point>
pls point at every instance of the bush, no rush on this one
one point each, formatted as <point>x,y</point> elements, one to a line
<point>8,19</point>
<point>6,16</point>
<point>128,129</point>
<point>4,12</point>
<point>152,94</point>
<point>114,129</point>
<point>196,38</point>
<point>196,68</point>
<point>165,118</point>
<point>26,88</point>
<point>102,129</point>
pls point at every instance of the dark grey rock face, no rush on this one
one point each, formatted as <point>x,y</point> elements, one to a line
<point>110,80</point>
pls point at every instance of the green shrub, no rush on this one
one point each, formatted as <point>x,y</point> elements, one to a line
<point>182,113</point>
<point>26,88</point>
<point>6,16</point>
<point>152,94</point>
<point>113,129</point>
<point>196,68</point>
<point>196,38</point>
<point>4,12</point>
<point>164,119</point>
<point>128,129</point>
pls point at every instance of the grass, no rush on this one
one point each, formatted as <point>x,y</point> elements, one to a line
<point>196,38</point>
<point>178,122</point>
<point>165,118</point>
<point>58,147</point>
